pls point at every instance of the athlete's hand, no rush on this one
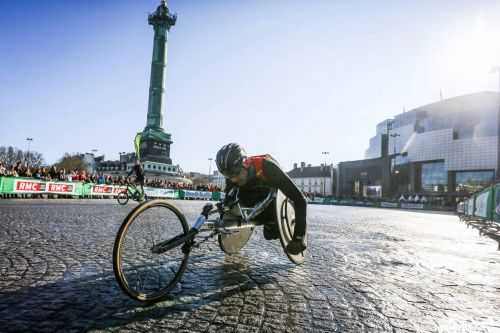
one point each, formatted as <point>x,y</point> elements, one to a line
<point>206,209</point>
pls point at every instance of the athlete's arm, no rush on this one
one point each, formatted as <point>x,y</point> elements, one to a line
<point>278,178</point>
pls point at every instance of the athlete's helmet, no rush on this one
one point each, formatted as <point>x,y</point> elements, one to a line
<point>230,158</point>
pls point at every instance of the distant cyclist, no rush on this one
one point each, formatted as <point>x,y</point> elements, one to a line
<point>139,175</point>
<point>255,176</point>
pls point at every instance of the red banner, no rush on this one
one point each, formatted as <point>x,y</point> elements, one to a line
<point>102,189</point>
<point>59,188</point>
<point>29,186</point>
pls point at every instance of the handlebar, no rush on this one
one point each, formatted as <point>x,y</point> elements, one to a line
<point>222,207</point>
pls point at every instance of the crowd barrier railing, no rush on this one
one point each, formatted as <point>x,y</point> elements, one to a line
<point>483,205</point>
<point>482,211</point>
<point>18,187</point>
<point>360,203</point>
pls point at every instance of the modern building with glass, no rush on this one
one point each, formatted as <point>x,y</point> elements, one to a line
<point>444,150</point>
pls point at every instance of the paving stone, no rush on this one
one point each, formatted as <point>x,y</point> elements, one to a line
<point>368,270</point>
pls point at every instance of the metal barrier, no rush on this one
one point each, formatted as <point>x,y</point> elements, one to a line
<point>17,187</point>
<point>482,211</point>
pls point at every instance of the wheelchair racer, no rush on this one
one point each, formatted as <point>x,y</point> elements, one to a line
<point>139,177</point>
<point>255,176</point>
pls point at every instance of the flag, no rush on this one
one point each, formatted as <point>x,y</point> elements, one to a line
<point>137,145</point>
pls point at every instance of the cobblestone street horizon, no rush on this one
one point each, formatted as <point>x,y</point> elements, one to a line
<point>367,270</point>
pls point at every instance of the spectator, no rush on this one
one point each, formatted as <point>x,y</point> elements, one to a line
<point>53,174</point>
<point>15,169</point>
<point>75,176</point>
<point>27,172</point>
<point>44,174</point>
<point>62,175</point>
<point>3,170</point>
<point>82,176</point>
<point>37,174</point>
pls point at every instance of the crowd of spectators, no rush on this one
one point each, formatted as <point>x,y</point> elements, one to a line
<point>53,173</point>
<point>162,183</point>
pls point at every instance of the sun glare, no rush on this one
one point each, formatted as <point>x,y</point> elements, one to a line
<point>471,51</point>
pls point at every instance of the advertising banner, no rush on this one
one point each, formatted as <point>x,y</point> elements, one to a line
<point>216,196</point>
<point>28,186</point>
<point>496,203</point>
<point>470,206</point>
<point>63,188</point>
<point>317,200</point>
<point>118,189</point>
<point>196,195</point>
<point>105,190</point>
<point>406,205</point>
<point>13,185</point>
<point>483,205</point>
<point>161,193</point>
<point>385,204</point>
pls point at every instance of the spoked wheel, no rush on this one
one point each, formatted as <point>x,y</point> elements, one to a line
<point>285,214</point>
<point>143,275</point>
<point>122,198</point>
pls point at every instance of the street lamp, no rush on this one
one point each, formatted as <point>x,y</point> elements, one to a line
<point>28,153</point>
<point>395,135</point>
<point>122,163</point>
<point>324,153</point>
<point>209,168</point>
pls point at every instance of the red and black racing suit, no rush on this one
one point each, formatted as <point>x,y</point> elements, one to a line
<point>264,174</point>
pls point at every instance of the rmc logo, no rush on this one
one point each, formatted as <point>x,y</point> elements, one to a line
<point>27,186</point>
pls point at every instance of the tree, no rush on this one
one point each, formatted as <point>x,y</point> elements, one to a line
<point>72,162</point>
<point>34,159</point>
<point>19,155</point>
<point>9,156</point>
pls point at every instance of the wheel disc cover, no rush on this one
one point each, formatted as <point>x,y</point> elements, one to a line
<point>285,214</point>
<point>233,243</point>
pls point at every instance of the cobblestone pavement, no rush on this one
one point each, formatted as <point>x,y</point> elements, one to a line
<point>368,270</point>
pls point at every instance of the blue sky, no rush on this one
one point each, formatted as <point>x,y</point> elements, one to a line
<point>290,78</point>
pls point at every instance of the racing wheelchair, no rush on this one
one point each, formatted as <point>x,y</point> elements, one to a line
<point>153,244</point>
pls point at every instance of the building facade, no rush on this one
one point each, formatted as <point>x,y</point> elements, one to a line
<point>152,170</point>
<point>445,150</point>
<point>314,180</point>
<point>218,179</point>
<point>368,178</point>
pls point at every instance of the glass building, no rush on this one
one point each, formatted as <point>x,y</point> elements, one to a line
<point>446,149</point>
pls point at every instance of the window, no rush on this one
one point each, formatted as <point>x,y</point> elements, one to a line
<point>434,177</point>
<point>471,181</point>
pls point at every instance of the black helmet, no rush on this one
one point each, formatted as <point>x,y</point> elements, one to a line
<point>230,158</point>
